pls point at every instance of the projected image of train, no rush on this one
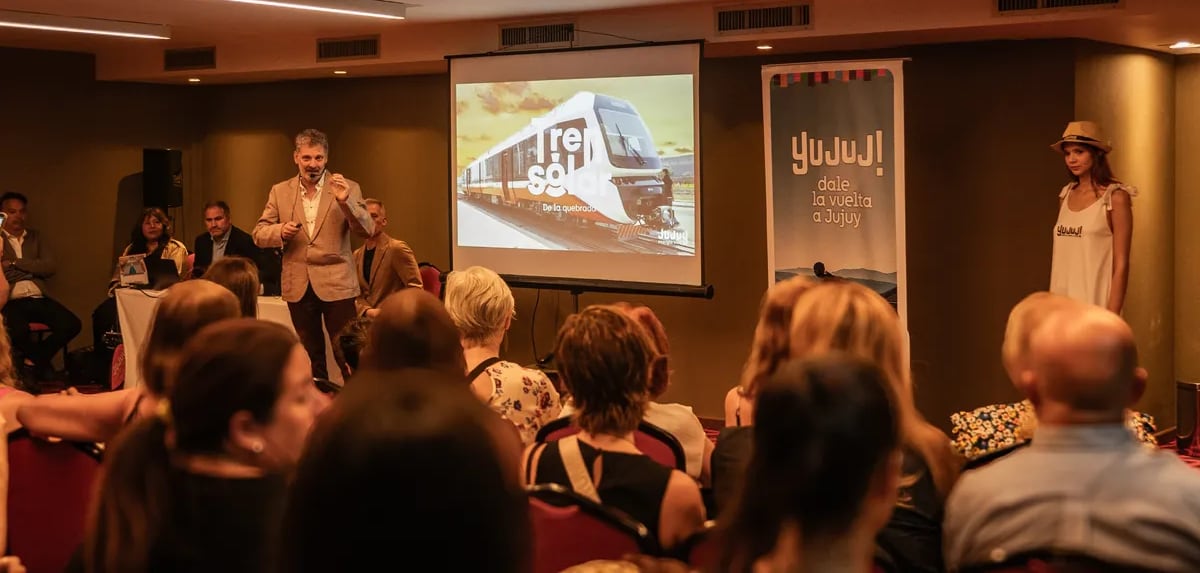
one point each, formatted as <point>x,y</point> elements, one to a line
<point>589,160</point>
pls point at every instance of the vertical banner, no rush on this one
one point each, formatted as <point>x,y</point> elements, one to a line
<point>834,136</point>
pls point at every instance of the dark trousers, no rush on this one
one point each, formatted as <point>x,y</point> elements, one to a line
<point>18,313</point>
<point>306,317</point>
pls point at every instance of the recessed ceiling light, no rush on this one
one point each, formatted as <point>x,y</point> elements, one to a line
<point>194,80</point>
<point>339,72</point>
<point>1184,45</point>
<point>764,46</point>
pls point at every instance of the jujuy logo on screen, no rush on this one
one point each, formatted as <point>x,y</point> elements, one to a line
<point>554,177</point>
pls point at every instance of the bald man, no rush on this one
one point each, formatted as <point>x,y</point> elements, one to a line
<point>1025,317</point>
<point>1084,486</point>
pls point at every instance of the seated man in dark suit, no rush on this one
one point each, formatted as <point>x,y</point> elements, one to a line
<point>225,240</point>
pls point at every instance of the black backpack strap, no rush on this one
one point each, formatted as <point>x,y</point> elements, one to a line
<point>479,368</point>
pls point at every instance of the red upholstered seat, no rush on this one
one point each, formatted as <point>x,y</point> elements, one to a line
<point>431,279</point>
<point>652,440</point>
<point>569,529</point>
<point>702,548</point>
<point>117,374</point>
<point>38,327</point>
<point>50,488</point>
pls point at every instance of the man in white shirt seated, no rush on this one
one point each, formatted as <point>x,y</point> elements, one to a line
<point>1084,486</point>
<point>27,264</point>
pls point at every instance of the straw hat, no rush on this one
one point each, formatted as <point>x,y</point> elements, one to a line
<point>1083,132</point>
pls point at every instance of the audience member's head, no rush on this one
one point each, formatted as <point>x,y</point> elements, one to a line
<point>378,214</point>
<point>183,310</point>
<point>216,218</point>
<point>349,344</point>
<point>481,305</point>
<point>605,360</point>
<point>152,227</point>
<point>769,348</point>
<point>1023,320</point>
<point>825,468</point>
<point>229,408</point>
<point>408,445</point>
<point>240,276</point>
<point>660,376</point>
<point>13,205</point>
<point>413,330</point>
<point>845,316</point>
<point>1084,368</point>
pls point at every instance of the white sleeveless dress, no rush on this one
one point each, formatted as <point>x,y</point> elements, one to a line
<point>1083,248</point>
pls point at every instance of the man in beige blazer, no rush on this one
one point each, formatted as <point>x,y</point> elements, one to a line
<point>385,265</point>
<point>310,217</point>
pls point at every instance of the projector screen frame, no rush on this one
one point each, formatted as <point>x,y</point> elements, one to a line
<point>577,286</point>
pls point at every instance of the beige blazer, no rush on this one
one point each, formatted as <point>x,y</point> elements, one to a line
<point>323,259</point>
<point>393,268</point>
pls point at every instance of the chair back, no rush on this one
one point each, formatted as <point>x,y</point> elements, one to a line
<point>652,440</point>
<point>49,490</point>
<point>569,529</point>
<point>116,377</point>
<point>702,550</point>
<point>1052,562</point>
<point>431,278</point>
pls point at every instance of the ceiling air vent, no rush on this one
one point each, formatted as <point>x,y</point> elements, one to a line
<point>750,19</point>
<point>330,49</point>
<point>537,35</point>
<point>1035,6</point>
<point>189,59</point>
<point>1080,3</point>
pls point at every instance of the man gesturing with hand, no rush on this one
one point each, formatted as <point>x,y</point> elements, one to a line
<point>310,217</point>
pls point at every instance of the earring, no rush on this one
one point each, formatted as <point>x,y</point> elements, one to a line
<point>256,447</point>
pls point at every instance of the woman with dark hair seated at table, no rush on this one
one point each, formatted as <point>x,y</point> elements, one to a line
<point>415,446</point>
<point>605,360</point>
<point>150,236</point>
<point>200,486</point>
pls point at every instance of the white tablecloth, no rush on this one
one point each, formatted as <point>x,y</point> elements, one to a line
<point>136,309</point>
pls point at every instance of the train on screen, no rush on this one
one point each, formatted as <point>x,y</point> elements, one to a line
<point>591,158</point>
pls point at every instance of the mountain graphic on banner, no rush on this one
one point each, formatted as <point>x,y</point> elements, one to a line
<point>882,283</point>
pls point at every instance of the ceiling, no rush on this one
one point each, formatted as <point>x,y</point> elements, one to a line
<point>261,43</point>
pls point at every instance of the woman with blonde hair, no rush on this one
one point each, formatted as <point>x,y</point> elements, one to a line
<point>482,307</point>
<point>851,318</point>
<point>768,350</point>
<point>11,397</point>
